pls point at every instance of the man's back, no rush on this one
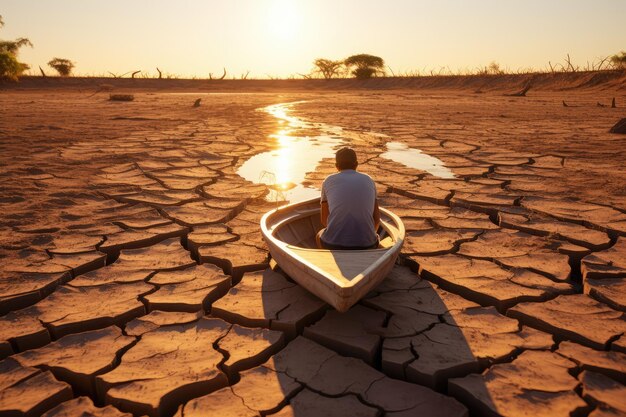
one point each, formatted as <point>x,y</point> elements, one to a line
<point>351,197</point>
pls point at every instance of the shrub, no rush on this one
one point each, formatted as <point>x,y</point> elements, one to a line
<point>492,69</point>
<point>619,60</point>
<point>364,72</point>
<point>63,66</point>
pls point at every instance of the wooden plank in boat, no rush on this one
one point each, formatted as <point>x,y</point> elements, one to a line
<point>345,265</point>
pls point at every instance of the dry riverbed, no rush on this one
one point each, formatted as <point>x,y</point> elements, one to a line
<point>134,278</point>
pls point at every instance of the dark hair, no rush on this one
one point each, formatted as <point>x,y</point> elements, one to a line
<point>345,158</point>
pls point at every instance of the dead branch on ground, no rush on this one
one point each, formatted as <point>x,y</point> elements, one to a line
<point>620,127</point>
<point>102,87</point>
<point>119,75</point>
<point>121,97</point>
<point>522,92</point>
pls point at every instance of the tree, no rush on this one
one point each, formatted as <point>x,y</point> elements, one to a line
<point>327,67</point>
<point>10,67</point>
<point>13,47</point>
<point>365,66</point>
<point>619,60</point>
<point>62,66</point>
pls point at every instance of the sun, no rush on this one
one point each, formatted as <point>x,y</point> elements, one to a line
<point>283,19</point>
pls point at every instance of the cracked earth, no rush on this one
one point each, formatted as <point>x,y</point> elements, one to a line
<point>134,279</point>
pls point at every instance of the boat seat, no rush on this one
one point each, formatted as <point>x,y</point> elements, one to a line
<point>342,265</point>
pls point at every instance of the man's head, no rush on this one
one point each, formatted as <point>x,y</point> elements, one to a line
<point>345,158</point>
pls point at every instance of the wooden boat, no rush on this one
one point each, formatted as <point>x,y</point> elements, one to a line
<point>339,277</point>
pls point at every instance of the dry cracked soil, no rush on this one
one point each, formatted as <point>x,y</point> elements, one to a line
<point>134,279</point>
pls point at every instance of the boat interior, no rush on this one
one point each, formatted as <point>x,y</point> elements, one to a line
<point>299,227</point>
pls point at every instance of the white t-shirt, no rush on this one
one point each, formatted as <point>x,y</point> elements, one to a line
<point>351,197</point>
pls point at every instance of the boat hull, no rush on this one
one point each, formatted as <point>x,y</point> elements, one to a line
<point>339,277</point>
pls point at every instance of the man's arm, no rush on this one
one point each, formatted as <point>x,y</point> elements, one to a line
<point>376,215</point>
<point>324,205</point>
<point>324,214</point>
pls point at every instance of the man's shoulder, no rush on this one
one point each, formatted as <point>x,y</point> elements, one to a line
<point>332,177</point>
<point>363,175</point>
<point>347,177</point>
<point>349,173</point>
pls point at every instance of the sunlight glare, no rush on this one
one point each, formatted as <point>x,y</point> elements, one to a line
<point>283,19</point>
<point>284,163</point>
<point>283,137</point>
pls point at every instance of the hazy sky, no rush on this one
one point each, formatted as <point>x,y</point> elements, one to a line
<point>282,37</point>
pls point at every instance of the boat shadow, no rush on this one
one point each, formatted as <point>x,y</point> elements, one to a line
<point>427,338</point>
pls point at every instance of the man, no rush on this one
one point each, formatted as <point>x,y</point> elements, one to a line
<point>350,212</point>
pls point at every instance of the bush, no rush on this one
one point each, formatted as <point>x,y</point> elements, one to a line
<point>63,66</point>
<point>363,73</point>
<point>619,60</point>
<point>492,69</point>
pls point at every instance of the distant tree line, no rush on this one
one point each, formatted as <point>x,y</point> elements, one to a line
<point>364,66</point>
<point>360,66</point>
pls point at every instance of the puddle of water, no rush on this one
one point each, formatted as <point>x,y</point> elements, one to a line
<point>284,169</point>
<point>415,158</point>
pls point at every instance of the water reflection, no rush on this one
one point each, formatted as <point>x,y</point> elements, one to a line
<point>415,158</point>
<point>284,169</point>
